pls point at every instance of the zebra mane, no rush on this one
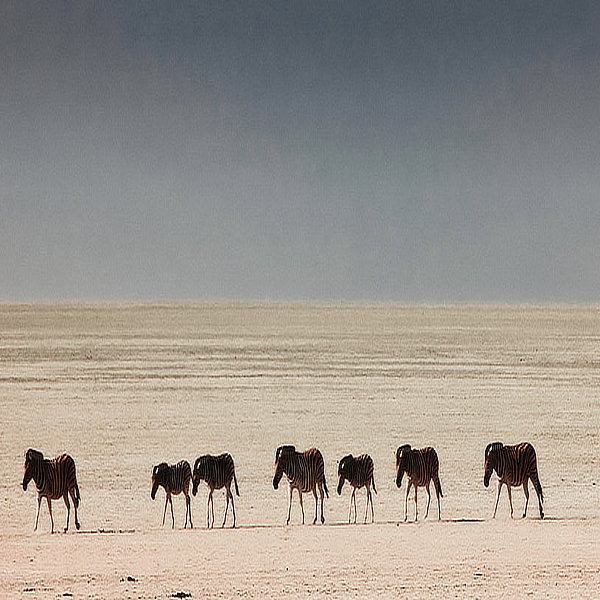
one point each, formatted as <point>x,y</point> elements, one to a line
<point>160,467</point>
<point>401,449</point>
<point>347,459</point>
<point>495,446</point>
<point>33,455</point>
<point>200,461</point>
<point>287,449</point>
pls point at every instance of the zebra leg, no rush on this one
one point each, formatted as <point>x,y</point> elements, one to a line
<point>316,504</point>
<point>526,490</point>
<point>208,511</point>
<point>416,505</point>
<point>289,506</point>
<point>75,503</point>
<point>227,492</point>
<point>406,500</point>
<point>497,498</point>
<point>538,490</point>
<point>510,500</point>
<point>428,500</point>
<point>322,497</point>
<point>232,507</point>
<point>370,499</point>
<point>188,511</point>
<point>172,514</point>
<point>165,511</point>
<point>210,504</point>
<point>350,510</point>
<point>367,504</point>
<point>438,491</point>
<point>50,511</point>
<point>301,505</point>
<point>37,512</point>
<point>66,499</point>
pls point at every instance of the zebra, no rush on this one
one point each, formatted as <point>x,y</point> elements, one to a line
<point>305,472</point>
<point>359,473</point>
<point>217,471</point>
<point>421,466</point>
<point>174,479</point>
<point>53,479</point>
<point>515,465</point>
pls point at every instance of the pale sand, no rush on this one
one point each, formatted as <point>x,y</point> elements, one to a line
<point>123,387</point>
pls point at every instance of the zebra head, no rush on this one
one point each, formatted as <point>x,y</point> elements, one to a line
<point>33,459</point>
<point>160,474</point>
<point>199,473</point>
<point>402,463</point>
<point>282,457</point>
<point>492,454</point>
<point>345,471</point>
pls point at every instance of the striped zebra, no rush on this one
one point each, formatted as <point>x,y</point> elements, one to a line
<point>174,479</point>
<point>514,465</point>
<point>53,479</point>
<point>359,473</point>
<point>421,466</point>
<point>217,471</point>
<point>305,472</point>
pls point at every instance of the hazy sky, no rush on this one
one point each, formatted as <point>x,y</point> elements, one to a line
<point>405,150</point>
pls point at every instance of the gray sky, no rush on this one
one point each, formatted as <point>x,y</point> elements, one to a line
<point>409,150</point>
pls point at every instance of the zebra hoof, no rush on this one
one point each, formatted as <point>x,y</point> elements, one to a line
<point>78,526</point>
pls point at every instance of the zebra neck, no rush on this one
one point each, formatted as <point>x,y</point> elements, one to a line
<point>39,478</point>
<point>292,471</point>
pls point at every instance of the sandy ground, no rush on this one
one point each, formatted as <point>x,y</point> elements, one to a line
<point>123,387</point>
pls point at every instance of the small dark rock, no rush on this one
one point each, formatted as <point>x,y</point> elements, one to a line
<point>181,595</point>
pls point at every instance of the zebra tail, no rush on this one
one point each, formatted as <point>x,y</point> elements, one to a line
<point>373,483</point>
<point>538,488</point>
<point>438,486</point>
<point>325,486</point>
<point>237,491</point>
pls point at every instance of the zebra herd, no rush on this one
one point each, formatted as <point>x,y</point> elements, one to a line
<point>304,471</point>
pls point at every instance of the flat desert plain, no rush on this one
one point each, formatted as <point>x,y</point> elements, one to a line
<point>122,387</point>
